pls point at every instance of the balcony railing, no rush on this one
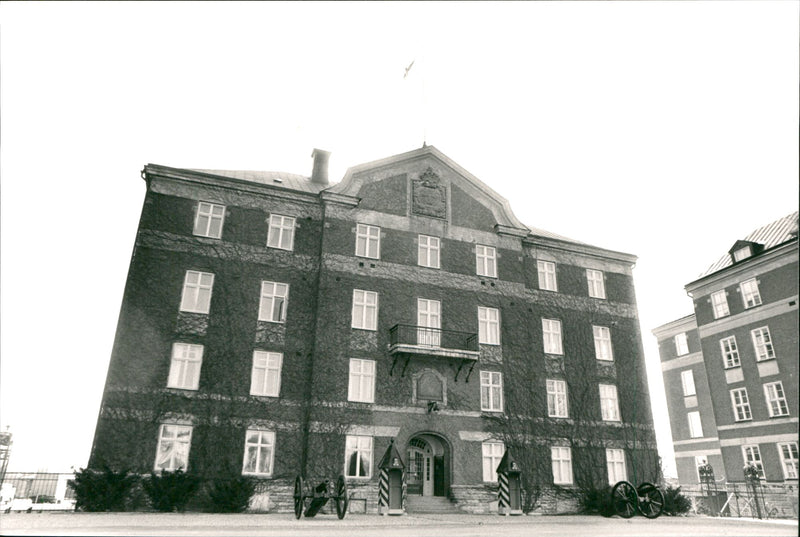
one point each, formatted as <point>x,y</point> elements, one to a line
<point>409,340</point>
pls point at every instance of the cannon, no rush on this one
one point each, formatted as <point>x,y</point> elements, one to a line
<point>627,499</point>
<point>319,496</point>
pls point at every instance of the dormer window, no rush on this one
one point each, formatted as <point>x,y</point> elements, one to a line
<point>742,253</point>
<point>742,250</point>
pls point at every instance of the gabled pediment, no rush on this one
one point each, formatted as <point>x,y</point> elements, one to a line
<point>426,183</point>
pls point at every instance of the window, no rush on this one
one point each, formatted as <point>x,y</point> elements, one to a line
<point>259,452</point>
<point>281,232</point>
<point>265,378</point>
<point>762,344</point>
<point>562,465</point>
<point>492,454</point>
<point>184,370</point>
<point>695,426</point>
<point>197,291</point>
<point>776,400</point>
<point>428,252</point>
<point>358,456</point>
<point>491,391</point>
<point>429,322</point>
<point>485,261</point>
<point>602,343</point>
<point>752,455</point>
<point>172,452</point>
<point>687,381</point>
<point>365,310</point>
<point>741,253</point>
<point>273,302</point>
<point>557,399</point>
<point>730,354</point>
<point>488,326</point>
<point>368,241</point>
<point>750,295</point>
<point>720,304</point>
<point>741,404</point>
<point>681,344</point>
<point>615,463</point>
<point>597,288</point>
<point>208,221</point>
<point>788,453</point>
<point>609,405</point>
<point>361,387</point>
<point>551,329</point>
<point>547,275</point>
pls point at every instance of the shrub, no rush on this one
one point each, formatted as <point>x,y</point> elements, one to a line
<point>102,490</point>
<point>676,503</point>
<point>597,501</point>
<point>230,495</point>
<point>170,491</point>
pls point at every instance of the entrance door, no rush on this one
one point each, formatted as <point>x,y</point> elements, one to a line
<point>421,471</point>
<point>429,321</point>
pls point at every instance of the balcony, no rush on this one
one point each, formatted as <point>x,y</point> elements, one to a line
<point>407,341</point>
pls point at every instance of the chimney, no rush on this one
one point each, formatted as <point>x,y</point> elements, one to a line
<point>319,174</point>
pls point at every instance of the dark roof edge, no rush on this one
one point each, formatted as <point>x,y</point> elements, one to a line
<point>580,247</point>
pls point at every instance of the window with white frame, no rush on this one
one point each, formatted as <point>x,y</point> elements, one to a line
<point>358,456</point>
<point>741,253</point>
<point>208,220</point>
<point>762,344</point>
<point>752,455</point>
<point>274,298</point>
<point>788,452</point>
<point>492,455</point>
<point>602,343</point>
<point>547,275</point>
<point>365,310</point>
<point>485,261</point>
<point>184,368</point>
<point>597,288</point>
<point>730,353</point>
<point>551,330</point>
<point>741,404</point>
<point>428,251</point>
<point>361,387</point>
<point>695,425</point>
<point>557,406</point>
<point>609,405</point>
<point>719,303</point>
<point>197,286</point>
<point>615,464</point>
<point>172,452</point>
<point>491,391</point>
<point>681,344</point>
<point>776,400</point>
<point>488,326</point>
<point>687,381</point>
<point>265,378</point>
<point>562,465</point>
<point>368,241</point>
<point>259,452</point>
<point>281,232</point>
<point>750,294</point>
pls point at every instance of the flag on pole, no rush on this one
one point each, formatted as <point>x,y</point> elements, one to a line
<point>408,69</point>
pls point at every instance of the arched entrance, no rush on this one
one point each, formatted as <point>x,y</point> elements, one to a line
<point>428,462</point>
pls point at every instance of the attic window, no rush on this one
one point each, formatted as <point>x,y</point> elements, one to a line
<point>742,253</point>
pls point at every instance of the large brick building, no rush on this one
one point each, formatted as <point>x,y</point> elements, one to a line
<point>730,369</point>
<point>274,324</point>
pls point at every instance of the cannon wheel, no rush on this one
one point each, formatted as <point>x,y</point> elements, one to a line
<point>651,500</point>
<point>624,499</point>
<point>342,501</point>
<point>298,497</point>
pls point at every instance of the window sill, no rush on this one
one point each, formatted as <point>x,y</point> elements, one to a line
<point>256,474</point>
<point>778,416</point>
<point>764,360</point>
<point>358,478</point>
<point>607,360</point>
<point>732,367</point>
<point>364,329</point>
<point>279,248</point>
<point>493,412</point>
<point>271,321</point>
<point>181,390</point>
<point>264,396</point>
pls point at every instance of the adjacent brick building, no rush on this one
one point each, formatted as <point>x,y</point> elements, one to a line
<point>730,369</point>
<point>274,324</point>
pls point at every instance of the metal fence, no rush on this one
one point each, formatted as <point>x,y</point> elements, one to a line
<point>39,487</point>
<point>738,499</point>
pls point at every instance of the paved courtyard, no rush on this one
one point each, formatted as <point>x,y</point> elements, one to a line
<point>192,524</point>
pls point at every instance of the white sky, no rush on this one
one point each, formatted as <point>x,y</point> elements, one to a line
<point>666,130</point>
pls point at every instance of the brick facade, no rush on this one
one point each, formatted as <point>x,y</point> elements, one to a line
<point>313,414</point>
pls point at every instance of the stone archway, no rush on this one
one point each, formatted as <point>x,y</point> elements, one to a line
<point>428,468</point>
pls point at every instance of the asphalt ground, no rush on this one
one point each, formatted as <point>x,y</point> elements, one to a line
<point>199,524</point>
